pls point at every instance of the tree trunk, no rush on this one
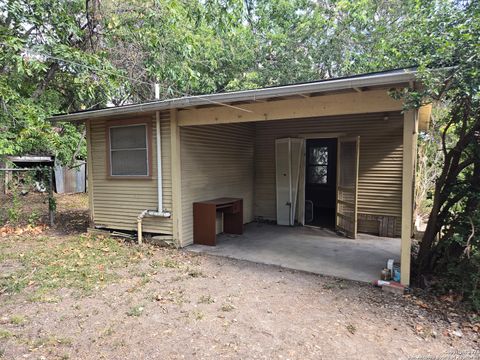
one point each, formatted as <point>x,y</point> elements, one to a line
<point>43,85</point>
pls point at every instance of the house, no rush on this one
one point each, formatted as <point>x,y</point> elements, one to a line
<point>335,153</point>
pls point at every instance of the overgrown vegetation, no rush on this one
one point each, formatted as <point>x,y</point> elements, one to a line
<point>58,56</point>
<point>16,193</point>
<point>449,255</point>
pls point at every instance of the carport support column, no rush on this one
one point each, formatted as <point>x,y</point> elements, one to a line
<point>410,131</point>
<point>176,178</point>
<point>88,136</point>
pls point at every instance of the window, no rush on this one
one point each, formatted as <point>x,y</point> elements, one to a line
<point>317,171</point>
<point>129,150</point>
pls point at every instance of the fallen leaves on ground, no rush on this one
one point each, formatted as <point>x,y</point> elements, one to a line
<point>29,229</point>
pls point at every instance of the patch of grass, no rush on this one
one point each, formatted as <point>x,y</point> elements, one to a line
<point>227,307</point>
<point>170,263</point>
<point>206,299</point>
<point>119,343</point>
<point>178,296</point>
<point>135,311</point>
<point>352,329</point>
<point>43,295</point>
<point>335,284</point>
<point>110,330</point>
<point>50,341</point>
<point>155,264</point>
<point>198,315</point>
<point>5,334</point>
<point>83,263</point>
<point>18,319</point>
<point>4,255</point>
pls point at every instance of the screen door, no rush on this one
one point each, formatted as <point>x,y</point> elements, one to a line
<point>347,185</point>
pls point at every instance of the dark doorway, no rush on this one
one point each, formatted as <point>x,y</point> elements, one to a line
<point>320,182</point>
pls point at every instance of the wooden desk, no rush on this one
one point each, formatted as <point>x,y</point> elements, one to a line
<point>205,217</point>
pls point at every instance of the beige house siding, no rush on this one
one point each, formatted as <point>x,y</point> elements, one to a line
<point>117,202</point>
<point>216,161</point>
<point>380,168</point>
<point>238,160</point>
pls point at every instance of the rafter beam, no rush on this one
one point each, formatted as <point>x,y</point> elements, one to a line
<point>327,105</point>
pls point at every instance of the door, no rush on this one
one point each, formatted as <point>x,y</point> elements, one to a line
<point>288,153</point>
<point>347,185</point>
<point>320,182</point>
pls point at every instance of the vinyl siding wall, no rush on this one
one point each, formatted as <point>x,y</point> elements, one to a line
<point>217,161</point>
<point>380,168</point>
<point>238,160</point>
<point>118,202</point>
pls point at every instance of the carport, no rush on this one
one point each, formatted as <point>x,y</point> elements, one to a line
<point>346,155</point>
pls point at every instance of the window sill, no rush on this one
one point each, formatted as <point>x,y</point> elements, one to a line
<point>126,177</point>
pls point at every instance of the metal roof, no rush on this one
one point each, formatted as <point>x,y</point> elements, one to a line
<point>30,158</point>
<point>385,78</point>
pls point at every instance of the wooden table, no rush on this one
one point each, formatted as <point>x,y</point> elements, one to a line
<point>205,216</point>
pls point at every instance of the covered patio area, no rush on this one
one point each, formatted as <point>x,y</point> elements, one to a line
<point>314,250</point>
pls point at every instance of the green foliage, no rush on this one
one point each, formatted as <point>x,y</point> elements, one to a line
<point>60,56</point>
<point>33,218</point>
<point>449,63</point>
<point>463,271</point>
<point>22,185</point>
<point>186,47</point>
<point>45,68</point>
<point>135,311</point>
<point>14,211</point>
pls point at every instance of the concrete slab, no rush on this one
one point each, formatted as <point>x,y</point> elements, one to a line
<point>308,249</point>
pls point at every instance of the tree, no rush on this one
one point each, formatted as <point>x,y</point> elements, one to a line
<point>449,66</point>
<point>188,47</point>
<point>47,52</point>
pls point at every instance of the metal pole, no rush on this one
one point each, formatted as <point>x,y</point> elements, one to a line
<point>51,201</point>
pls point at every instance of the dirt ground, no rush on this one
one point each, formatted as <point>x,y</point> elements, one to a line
<point>68,295</point>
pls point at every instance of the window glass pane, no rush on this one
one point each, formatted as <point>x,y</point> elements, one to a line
<point>128,137</point>
<point>318,155</point>
<point>129,162</point>
<point>317,174</point>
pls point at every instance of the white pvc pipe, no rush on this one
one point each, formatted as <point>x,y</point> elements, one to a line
<point>159,164</point>
<point>160,211</point>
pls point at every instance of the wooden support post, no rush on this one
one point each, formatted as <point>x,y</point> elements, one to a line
<point>8,178</point>
<point>176,178</point>
<point>410,130</point>
<point>89,174</point>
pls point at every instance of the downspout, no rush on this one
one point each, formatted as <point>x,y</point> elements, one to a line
<point>160,212</point>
